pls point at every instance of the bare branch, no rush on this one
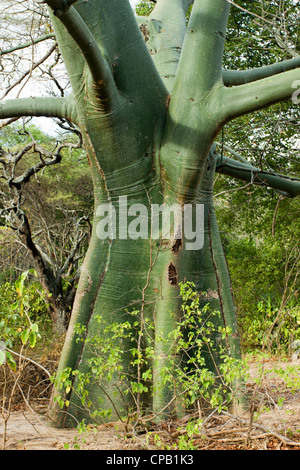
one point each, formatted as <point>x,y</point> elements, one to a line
<point>28,72</point>
<point>8,122</point>
<point>58,5</point>
<point>250,13</point>
<point>27,44</point>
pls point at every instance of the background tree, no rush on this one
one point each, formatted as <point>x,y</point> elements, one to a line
<point>50,225</point>
<point>44,217</point>
<point>149,109</point>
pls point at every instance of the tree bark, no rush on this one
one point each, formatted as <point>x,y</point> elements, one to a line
<point>119,276</point>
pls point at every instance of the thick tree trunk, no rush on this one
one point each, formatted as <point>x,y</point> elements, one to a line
<point>120,276</point>
<point>149,107</point>
<point>151,150</point>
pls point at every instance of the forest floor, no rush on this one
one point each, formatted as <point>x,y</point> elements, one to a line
<point>272,424</point>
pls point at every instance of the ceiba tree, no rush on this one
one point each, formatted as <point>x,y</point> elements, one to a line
<point>150,96</point>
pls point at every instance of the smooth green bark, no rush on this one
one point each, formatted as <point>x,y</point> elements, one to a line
<point>47,107</point>
<point>240,77</point>
<point>259,94</point>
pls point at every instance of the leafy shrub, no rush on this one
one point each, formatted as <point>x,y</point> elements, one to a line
<point>22,308</point>
<point>185,371</point>
<point>265,283</point>
<point>271,327</point>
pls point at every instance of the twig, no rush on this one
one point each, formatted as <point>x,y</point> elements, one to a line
<point>36,416</point>
<point>283,439</point>
<point>226,431</point>
<point>250,12</point>
<point>28,72</point>
<point>30,360</point>
<point>275,214</point>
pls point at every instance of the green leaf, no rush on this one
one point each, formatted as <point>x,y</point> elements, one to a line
<point>147,375</point>
<point>11,362</point>
<point>20,281</point>
<point>35,327</point>
<point>25,335</point>
<point>32,338</point>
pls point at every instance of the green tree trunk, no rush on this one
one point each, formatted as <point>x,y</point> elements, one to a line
<point>121,276</point>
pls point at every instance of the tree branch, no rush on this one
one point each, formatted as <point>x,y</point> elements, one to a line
<point>46,159</point>
<point>58,5</point>
<point>204,45</point>
<point>27,44</point>
<point>28,72</point>
<point>233,152</point>
<point>240,77</point>
<point>244,99</point>
<point>285,185</point>
<point>8,122</point>
<point>47,107</point>
<point>164,32</point>
<point>81,34</point>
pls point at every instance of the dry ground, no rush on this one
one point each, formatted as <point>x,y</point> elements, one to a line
<point>275,425</point>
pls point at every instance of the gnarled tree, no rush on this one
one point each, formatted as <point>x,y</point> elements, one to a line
<point>150,96</point>
<point>53,234</point>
